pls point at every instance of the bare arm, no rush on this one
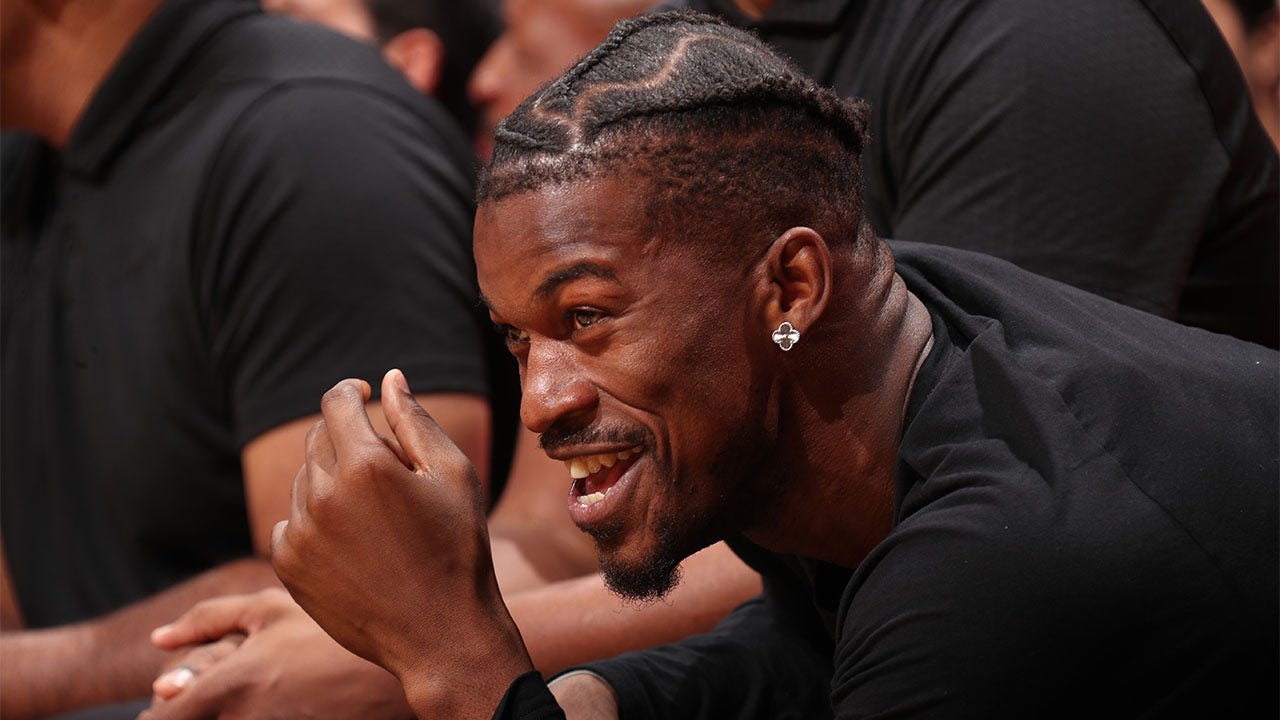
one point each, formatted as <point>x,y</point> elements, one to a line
<point>108,659</point>
<point>111,658</point>
<point>534,542</point>
<point>579,620</point>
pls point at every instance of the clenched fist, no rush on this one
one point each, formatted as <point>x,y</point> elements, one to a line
<point>386,548</point>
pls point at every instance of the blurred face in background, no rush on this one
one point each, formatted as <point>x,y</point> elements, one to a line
<point>541,39</point>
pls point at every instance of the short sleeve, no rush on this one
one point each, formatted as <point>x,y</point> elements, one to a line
<point>334,242</point>
<point>527,698</point>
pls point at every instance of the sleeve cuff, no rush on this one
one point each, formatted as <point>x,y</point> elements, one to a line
<point>528,699</point>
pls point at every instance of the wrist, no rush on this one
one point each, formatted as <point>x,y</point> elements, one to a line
<point>467,675</point>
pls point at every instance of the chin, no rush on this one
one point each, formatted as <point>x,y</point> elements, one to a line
<point>641,568</point>
<point>643,582</point>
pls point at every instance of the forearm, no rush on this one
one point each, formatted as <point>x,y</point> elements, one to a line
<point>110,658</point>
<point>523,562</point>
<point>579,620</point>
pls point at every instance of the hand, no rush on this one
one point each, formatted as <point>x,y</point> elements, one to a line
<point>183,669</point>
<point>386,548</point>
<point>287,667</point>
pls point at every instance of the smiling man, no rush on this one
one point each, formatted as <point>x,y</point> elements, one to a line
<point>971,491</point>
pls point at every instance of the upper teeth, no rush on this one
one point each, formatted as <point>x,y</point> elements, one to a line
<point>581,467</point>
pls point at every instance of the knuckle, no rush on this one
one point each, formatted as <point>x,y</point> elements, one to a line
<point>343,392</point>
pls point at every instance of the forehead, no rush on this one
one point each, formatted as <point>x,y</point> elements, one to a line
<point>521,238</point>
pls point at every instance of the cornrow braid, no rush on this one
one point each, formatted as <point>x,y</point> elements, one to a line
<point>704,112</point>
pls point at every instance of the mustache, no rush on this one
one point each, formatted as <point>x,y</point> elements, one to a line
<point>558,437</point>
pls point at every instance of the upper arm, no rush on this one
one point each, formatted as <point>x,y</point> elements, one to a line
<point>271,460</point>
<point>334,242</point>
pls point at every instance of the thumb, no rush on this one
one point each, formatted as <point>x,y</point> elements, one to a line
<point>414,428</point>
<point>208,620</point>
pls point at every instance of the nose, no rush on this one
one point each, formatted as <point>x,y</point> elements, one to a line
<point>554,388</point>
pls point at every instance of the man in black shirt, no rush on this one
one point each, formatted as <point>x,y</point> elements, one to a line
<point>972,491</point>
<point>241,211</point>
<point>1109,145</point>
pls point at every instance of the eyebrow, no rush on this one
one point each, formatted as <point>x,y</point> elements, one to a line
<point>573,272</point>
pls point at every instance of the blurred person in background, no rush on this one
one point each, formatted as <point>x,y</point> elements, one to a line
<point>1109,145</point>
<point>540,38</point>
<point>229,211</point>
<point>434,44</point>
<point>1252,30</point>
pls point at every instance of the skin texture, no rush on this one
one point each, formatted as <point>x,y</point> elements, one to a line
<point>540,39</point>
<point>619,330</point>
<point>343,684</point>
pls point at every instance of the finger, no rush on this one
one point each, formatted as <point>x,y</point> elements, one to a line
<point>277,538</point>
<point>209,695</point>
<point>171,683</point>
<point>194,664</point>
<point>349,429</point>
<point>416,431</point>
<point>394,446</point>
<point>319,446</point>
<point>298,491</point>
<point>206,620</point>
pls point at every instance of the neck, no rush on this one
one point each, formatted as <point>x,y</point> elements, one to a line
<point>48,79</point>
<point>842,456</point>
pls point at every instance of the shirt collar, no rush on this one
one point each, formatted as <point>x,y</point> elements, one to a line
<point>147,69</point>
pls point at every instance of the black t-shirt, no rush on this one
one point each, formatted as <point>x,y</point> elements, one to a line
<point>1084,526</point>
<point>249,210</point>
<point>1107,144</point>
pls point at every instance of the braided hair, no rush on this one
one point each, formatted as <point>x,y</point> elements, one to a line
<point>716,123</point>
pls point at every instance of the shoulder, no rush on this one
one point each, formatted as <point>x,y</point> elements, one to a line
<point>993,598</point>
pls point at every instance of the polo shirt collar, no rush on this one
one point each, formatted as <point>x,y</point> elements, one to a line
<point>147,69</point>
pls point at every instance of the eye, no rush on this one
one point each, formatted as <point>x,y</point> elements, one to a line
<point>582,318</point>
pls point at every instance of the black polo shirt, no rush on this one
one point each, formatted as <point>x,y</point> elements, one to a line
<point>1110,145</point>
<point>248,211</point>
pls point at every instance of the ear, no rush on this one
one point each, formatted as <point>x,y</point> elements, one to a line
<point>796,280</point>
<point>419,54</point>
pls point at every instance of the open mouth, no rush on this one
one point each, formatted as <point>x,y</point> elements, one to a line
<point>595,475</point>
